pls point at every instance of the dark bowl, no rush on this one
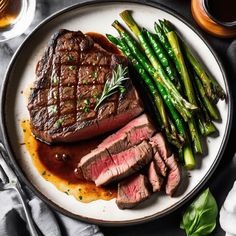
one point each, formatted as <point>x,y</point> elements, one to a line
<point>228,24</point>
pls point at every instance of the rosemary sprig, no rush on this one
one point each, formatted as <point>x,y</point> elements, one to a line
<point>114,84</point>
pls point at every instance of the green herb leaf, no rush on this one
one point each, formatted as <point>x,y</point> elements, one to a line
<point>86,109</point>
<point>86,101</point>
<point>55,79</point>
<point>94,74</point>
<point>71,67</point>
<point>70,58</point>
<point>52,109</point>
<point>59,122</point>
<point>114,84</point>
<point>200,217</point>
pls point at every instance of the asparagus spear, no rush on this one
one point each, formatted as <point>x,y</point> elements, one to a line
<point>173,137</point>
<point>165,43</point>
<point>163,58</point>
<point>174,42</point>
<point>178,101</point>
<point>203,120</point>
<point>205,124</point>
<point>188,157</point>
<point>210,107</point>
<point>213,89</point>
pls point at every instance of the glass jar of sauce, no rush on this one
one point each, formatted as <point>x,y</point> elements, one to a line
<point>217,17</point>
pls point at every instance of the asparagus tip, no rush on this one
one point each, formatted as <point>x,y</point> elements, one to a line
<point>127,17</point>
<point>116,24</point>
<point>125,13</point>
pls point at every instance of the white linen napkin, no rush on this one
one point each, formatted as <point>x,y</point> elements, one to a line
<point>50,223</point>
<point>228,213</point>
<point>228,209</point>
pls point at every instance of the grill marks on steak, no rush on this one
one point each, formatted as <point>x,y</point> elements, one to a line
<point>70,79</point>
<point>132,191</point>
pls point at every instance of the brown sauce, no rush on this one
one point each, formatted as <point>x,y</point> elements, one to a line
<point>223,10</point>
<point>57,163</point>
<point>10,12</point>
<point>61,172</point>
<point>104,42</point>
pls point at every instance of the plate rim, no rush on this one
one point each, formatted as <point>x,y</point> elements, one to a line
<point>14,164</point>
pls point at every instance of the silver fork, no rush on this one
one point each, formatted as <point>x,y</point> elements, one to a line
<point>10,181</point>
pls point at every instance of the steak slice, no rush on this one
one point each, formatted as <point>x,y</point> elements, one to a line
<point>160,164</point>
<point>70,79</point>
<point>155,177</point>
<point>159,145</point>
<point>132,191</point>
<point>108,168</point>
<point>166,163</point>
<point>130,135</point>
<point>133,133</point>
<point>174,175</point>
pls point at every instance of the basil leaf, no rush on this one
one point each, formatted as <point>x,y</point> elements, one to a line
<point>200,217</point>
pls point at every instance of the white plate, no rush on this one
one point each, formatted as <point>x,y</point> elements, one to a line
<point>98,16</point>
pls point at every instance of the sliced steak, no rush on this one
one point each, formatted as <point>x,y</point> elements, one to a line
<point>132,191</point>
<point>130,135</point>
<point>133,133</point>
<point>108,168</point>
<point>70,79</point>
<point>166,163</point>
<point>160,164</point>
<point>155,177</point>
<point>159,144</point>
<point>174,175</point>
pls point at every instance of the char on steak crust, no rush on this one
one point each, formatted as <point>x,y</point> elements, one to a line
<point>70,79</point>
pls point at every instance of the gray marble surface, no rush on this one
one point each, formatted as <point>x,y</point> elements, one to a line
<point>170,224</point>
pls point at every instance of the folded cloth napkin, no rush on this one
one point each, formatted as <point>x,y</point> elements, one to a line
<point>228,213</point>
<point>228,210</point>
<point>12,219</point>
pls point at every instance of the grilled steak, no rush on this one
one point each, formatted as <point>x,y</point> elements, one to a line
<point>132,191</point>
<point>159,145</point>
<point>160,164</point>
<point>70,79</point>
<point>132,134</point>
<point>155,177</point>
<point>166,163</point>
<point>108,168</point>
<point>174,175</point>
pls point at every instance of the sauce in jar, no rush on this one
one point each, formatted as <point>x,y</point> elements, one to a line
<point>223,10</point>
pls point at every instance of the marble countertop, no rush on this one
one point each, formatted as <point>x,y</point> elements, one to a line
<point>168,225</point>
